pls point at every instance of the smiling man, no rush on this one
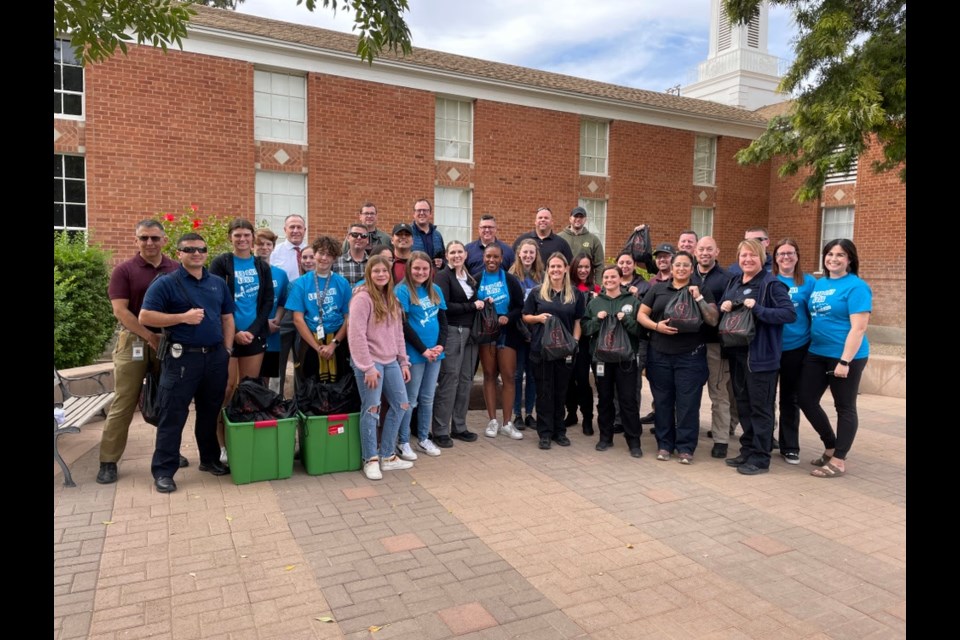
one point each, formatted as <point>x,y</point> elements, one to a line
<point>368,218</point>
<point>426,236</point>
<point>487,232</point>
<point>547,241</point>
<point>582,241</point>
<point>286,255</point>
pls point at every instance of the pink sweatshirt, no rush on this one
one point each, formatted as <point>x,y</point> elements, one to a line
<point>371,341</point>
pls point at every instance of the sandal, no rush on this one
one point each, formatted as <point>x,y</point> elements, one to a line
<point>828,470</point>
<point>663,455</point>
<point>822,460</point>
<point>686,458</point>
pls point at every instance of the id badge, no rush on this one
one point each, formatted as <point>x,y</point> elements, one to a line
<point>320,332</point>
<point>138,350</point>
<point>600,369</point>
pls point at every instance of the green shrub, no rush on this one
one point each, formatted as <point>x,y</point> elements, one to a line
<point>213,229</point>
<point>83,320</point>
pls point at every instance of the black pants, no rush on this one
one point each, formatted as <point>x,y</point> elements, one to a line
<point>791,362</point>
<point>619,377</point>
<point>579,393</point>
<point>813,383</point>
<point>755,392</point>
<point>552,378</point>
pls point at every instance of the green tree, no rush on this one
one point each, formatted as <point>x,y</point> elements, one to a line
<point>849,82</point>
<point>83,320</point>
<point>97,28</point>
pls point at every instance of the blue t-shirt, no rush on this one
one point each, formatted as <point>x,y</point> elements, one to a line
<point>246,285</point>
<point>797,333</point>
<point>306,294</point>
<point>422,317</point>
<point>831,303</point>
<point>281,282</point>
<point>494,285</point>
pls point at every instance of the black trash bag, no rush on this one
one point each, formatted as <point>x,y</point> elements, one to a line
<point>683,313</point>
<point>253,402</point>
<point>613,344</point>
<point>737,326</point>
<point>556,343</point>
<point>315,398</point>
<point>486,325</point>
<point>149,397</point>
<point>638,245</point>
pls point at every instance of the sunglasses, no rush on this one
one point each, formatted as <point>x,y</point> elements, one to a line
<point>193,249</point>
<point>149,238</point>
<point>355,235</point>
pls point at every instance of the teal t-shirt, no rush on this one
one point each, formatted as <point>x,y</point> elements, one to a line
<point>831,303</point>
<point>310,291</point>
<point>246,286</point>
<point>422,317</point>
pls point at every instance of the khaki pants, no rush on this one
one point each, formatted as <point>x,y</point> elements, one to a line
<point>723,411</point>
<point>128,377</point>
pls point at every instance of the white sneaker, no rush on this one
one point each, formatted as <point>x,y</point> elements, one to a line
<point>511,431</point>
<point>371,469</point>
<point>223,455</point>
<point>394,463</point>
<point>428,447</point>
<point>492,427</point>
<point>406,452</point>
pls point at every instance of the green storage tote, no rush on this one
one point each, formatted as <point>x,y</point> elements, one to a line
<point>260,450</point>
<point>329,444</point>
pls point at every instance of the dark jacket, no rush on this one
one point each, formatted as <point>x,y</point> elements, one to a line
<point>772,310</point>
<point>590,324</point>
<point>430,242</point>
<point>460,309</point>
<point>222,266</point>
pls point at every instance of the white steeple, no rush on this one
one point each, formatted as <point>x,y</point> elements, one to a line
<point>738,70</point>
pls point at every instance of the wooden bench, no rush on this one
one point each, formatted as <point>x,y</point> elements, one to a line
<point>79,410</point>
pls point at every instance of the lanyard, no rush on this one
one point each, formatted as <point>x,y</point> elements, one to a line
<point>321,296</point>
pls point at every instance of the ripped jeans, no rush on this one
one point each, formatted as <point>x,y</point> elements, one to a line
<point>390,385</point>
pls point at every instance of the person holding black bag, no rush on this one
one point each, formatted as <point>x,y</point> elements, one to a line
<point>555,298</point>
<point>754,366</point>
<point>611,322</point>
<point>677,361</point>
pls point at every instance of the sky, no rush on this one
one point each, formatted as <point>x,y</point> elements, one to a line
<point>645,44</point>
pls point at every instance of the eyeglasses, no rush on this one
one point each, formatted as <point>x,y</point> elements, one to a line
<point>357,236</point>
<point>149,238</point>
<point>421,210</point>
<point>192,249</point>
<point>786,254</point>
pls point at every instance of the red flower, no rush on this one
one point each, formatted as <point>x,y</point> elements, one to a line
<point>169,217</point>
<point>196,223</point>
<point>194,208</point>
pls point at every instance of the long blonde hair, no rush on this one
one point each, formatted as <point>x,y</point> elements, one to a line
<point>536,269</point>
<point>568,294</point>
<point>385,303</point>
<point>413,286</point>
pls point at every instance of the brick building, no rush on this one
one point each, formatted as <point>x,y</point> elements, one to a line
<point>259,118</point>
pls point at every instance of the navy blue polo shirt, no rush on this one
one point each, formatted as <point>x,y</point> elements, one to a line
<point>209,292</point>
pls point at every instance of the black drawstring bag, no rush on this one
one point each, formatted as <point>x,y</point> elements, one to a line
<point>556,343</point>
<point>486,325</point>
<point>737,326</point>
<point>253,402</point>
<point>683,313</point>
<point>638,244</point>
<point>613,344</point>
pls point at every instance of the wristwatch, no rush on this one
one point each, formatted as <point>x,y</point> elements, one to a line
<point>845,363</point>
<point>335,342</point>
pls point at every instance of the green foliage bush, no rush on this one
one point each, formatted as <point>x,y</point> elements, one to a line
<point>83,320</point>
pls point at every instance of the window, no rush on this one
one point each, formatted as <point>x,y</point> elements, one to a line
<point>280,106</point>
<point>277,196</point>
<point>705,160</point>
<point>67,80</point>
<point>839,177</point>
<point>596,218</point>
<point>593,147</point>
<point>454,130</point>
<point>69,193</point>
<point>701,221</point>
<point>452,213</point>
<point>837,223</point>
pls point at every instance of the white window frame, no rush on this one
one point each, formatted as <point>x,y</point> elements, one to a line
<point>65,50</point>
<point>705,161</point>
<point>594,147</point>
<point>596,217</point>
<point>278,195</point>
<point>837,222</point>
<point>60,192</point>
<point>701,221</point>
<point>842,177</point>
<point>453,129</point>
<point>453,213</point>
<point>279,106</point>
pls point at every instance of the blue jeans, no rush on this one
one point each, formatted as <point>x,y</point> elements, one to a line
<point>420,391</point>
<point>390,384</point>
<point>524,366</point>
<point>676,381</point>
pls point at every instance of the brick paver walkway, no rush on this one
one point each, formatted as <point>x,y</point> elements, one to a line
<point>494,539</point>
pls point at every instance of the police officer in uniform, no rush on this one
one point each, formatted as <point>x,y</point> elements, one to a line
<point>197,308</point>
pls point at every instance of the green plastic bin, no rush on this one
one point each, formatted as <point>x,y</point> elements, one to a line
<point>329,444</point>
<point>260,450</point>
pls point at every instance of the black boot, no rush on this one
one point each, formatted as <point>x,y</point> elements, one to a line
<point>588,425</point>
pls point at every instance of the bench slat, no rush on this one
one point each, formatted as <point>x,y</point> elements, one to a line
<point>81,409</point>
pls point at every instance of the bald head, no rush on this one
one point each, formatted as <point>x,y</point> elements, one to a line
<point>707,252</point>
